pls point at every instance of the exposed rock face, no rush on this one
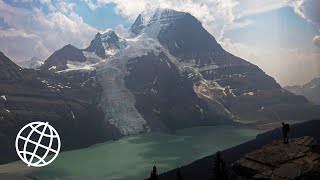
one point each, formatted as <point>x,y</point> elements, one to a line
<point>297,160</point>
<point>106,44</point>
<point>166,98</point>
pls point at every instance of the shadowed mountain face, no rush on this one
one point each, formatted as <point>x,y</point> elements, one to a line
<point>30,95</point>
<point>59,59</point>
<point>9,70</point>
<point>243,88</point>
<point>310,90</point>
<point>166,98</point>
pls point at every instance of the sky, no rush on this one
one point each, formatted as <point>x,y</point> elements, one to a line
<point>282,37</point>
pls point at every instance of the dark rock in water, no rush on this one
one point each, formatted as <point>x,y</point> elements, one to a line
<point>277,160</point>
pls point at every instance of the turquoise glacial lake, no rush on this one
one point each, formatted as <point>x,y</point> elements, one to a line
<point>133,157</point>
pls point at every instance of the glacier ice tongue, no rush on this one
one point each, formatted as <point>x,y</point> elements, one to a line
<point>117,101</point>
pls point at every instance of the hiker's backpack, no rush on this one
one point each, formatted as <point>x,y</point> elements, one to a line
<point>287,127</point>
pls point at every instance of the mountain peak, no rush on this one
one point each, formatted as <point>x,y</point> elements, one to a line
<point>151,22</point>
<point>108,32</point>
<point>105,43</point>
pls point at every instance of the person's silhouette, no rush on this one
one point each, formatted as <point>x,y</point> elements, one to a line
<point>285,131</point>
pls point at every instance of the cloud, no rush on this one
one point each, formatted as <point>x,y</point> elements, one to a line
<point>287,66</point>
<point>316,40</point>
<point>33,33</point>
<point>309,10</point>
<point>251,7</point>
<point>91,4</point>
<point>217,16</point>
<point>122,31</point>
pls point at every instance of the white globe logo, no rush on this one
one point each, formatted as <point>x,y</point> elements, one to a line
<point>35,152</point>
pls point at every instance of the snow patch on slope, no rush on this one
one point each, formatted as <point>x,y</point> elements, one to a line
<point>81,66</point>
<point>4,97</point>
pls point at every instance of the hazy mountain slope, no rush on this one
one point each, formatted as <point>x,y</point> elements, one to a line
<point>33,63</point>
<point>310,90</point>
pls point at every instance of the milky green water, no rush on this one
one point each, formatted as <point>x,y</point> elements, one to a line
<point>133,157</point>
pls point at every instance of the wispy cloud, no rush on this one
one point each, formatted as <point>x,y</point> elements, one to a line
<point>217,16</point>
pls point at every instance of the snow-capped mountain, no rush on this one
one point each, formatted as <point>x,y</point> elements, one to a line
<point>60,59</point>
<point>170,74</point>
<point>310,90</point>
<point>33,63</point>
<point>154,21</point>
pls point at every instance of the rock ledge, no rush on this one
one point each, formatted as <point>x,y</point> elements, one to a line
<point>300,159</point>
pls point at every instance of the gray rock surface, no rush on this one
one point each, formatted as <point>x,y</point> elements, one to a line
<point>296,160</point>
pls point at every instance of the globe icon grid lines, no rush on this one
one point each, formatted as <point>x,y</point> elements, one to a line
<point>33,155</point>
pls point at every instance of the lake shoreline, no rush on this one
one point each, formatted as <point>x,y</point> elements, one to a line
<point>181,147</point>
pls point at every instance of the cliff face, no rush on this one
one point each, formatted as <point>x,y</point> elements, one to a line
<point>300,159</point>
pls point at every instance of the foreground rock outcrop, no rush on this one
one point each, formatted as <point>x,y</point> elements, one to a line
<point>300,159</point>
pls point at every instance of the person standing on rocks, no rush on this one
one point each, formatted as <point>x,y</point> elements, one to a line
<point>285,131</point>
